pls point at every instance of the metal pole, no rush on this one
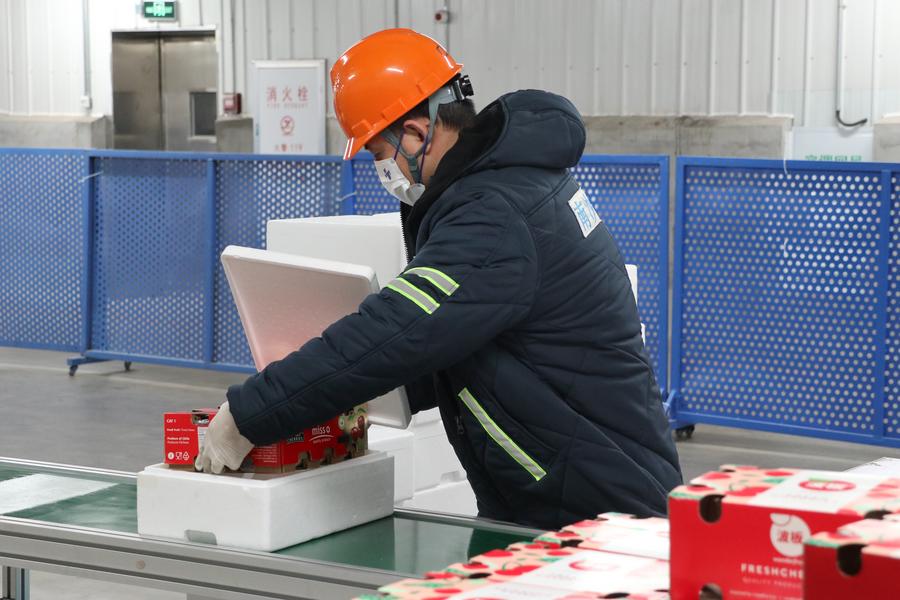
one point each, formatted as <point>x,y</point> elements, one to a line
<point>15,583</point>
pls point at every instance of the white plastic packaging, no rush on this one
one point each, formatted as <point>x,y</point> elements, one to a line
<point>264,511</point>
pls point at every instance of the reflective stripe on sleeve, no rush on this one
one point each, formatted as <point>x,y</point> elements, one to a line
<point>499,436</point>
<point>440,280</point>
<point>413,294</point>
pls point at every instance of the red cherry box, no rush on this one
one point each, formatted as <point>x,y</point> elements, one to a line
<point>615,532</point>
<point>434,588</point>
<point>516,560</point>
<point>734,477</point>
<point>580,575</point>
<point>741,531</point>
<point>858,560</point>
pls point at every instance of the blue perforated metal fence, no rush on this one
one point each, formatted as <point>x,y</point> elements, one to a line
<point>43,249</point>
<point>785,288</point>
<point>151,226</point>
<point>248,194</point>
<point>161,220</point>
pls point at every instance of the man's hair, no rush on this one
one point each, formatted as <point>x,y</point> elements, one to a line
<point>454,115</point>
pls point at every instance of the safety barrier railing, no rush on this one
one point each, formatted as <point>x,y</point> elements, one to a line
<point>785,302</point>
<point>114,254</point>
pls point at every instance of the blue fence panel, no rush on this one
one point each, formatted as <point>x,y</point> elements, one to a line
<point>370,196</point>
<point>780,303</point>
<point>631,194</point>
<point>891,416</point>
<point>43,264</point>
<point>152,225</point>
<point>248,194</point>
<point>149,257</point>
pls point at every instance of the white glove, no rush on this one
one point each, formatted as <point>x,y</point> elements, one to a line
<point>224,445</point>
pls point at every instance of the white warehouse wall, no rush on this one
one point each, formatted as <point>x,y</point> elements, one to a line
<point>611,57</point>
<point>687,57</point>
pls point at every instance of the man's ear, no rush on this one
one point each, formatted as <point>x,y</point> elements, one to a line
<point>416,130</point>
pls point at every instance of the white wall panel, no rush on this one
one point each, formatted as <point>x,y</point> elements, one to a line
<point>189,13</point>
<point>611,57</point>
<point>820,60</point>
<point>579,39</point>
<point>19,58</point>
<point>859,43</point>
<point>758,41</point>
<point>303,28</point>
<point>608,57</point>
<point>637,59</point>
<point>38,52</point>
<point>696,57</point>
<point>665,80</point>
<point>790,57</point>
<point>419,15</point>
<point>66,63</point>
<point>278,29</point>
<point>550,35</point>
<point>210,11</point>
<point>5,52</point>
<point>727,43</point>
<point>527,67</point>
<point>887,58</point>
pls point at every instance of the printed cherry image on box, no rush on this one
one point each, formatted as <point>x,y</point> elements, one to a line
<point>340,438</point>
<point>741,532</point>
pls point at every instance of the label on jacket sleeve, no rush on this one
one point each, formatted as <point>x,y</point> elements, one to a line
<point>588,219</point>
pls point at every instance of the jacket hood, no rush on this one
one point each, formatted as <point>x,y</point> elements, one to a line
<point>528,128</point>
<point>533,129</point>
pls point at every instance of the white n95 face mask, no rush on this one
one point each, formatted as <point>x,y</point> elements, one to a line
<point>396,183</point>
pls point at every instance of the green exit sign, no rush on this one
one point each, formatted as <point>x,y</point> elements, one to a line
<point>160,10</point>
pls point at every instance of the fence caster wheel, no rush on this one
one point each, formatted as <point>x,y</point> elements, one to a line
<point>127,365</point>
<point>72,370</point>
<point>684,433</point>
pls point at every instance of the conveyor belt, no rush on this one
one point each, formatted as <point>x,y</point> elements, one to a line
<point>95,535</point>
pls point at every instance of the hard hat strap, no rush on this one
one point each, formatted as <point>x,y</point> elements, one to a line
<point>447,94</point>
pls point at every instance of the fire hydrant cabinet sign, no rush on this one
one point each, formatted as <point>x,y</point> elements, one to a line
<point>290,106</point>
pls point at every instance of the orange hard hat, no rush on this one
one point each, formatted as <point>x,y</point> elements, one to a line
<point>384,76</point>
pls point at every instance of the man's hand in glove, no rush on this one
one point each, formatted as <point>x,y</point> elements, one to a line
<point>224,445</point>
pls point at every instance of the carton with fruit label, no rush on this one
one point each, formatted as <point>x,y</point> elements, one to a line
<point>743,534</point>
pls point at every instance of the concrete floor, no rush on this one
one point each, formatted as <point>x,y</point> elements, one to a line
<point>106,417</point>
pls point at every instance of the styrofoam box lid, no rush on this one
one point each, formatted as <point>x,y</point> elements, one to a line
<point>373,240</point>
<point>285,300</point>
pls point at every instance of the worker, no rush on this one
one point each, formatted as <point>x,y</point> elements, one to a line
<point>514,316</point>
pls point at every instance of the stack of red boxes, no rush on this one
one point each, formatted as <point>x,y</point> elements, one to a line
<point>340,438</point>
<point>614,555</point>
<point>740,532</point>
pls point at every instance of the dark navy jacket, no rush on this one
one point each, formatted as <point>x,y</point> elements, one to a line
<point>511,317</point>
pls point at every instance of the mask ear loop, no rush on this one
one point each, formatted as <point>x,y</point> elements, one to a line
<point>444,95</point>
<point>397,149</point>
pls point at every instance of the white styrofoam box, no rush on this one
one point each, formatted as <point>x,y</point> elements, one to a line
<point>427,416</point>
<point>436,462</point>
<point>375,241</point>
<point>884,466</point>
<point>260,511</point>
<point>398,443</point>
<point>632,277</point>
<point>456,497</point>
